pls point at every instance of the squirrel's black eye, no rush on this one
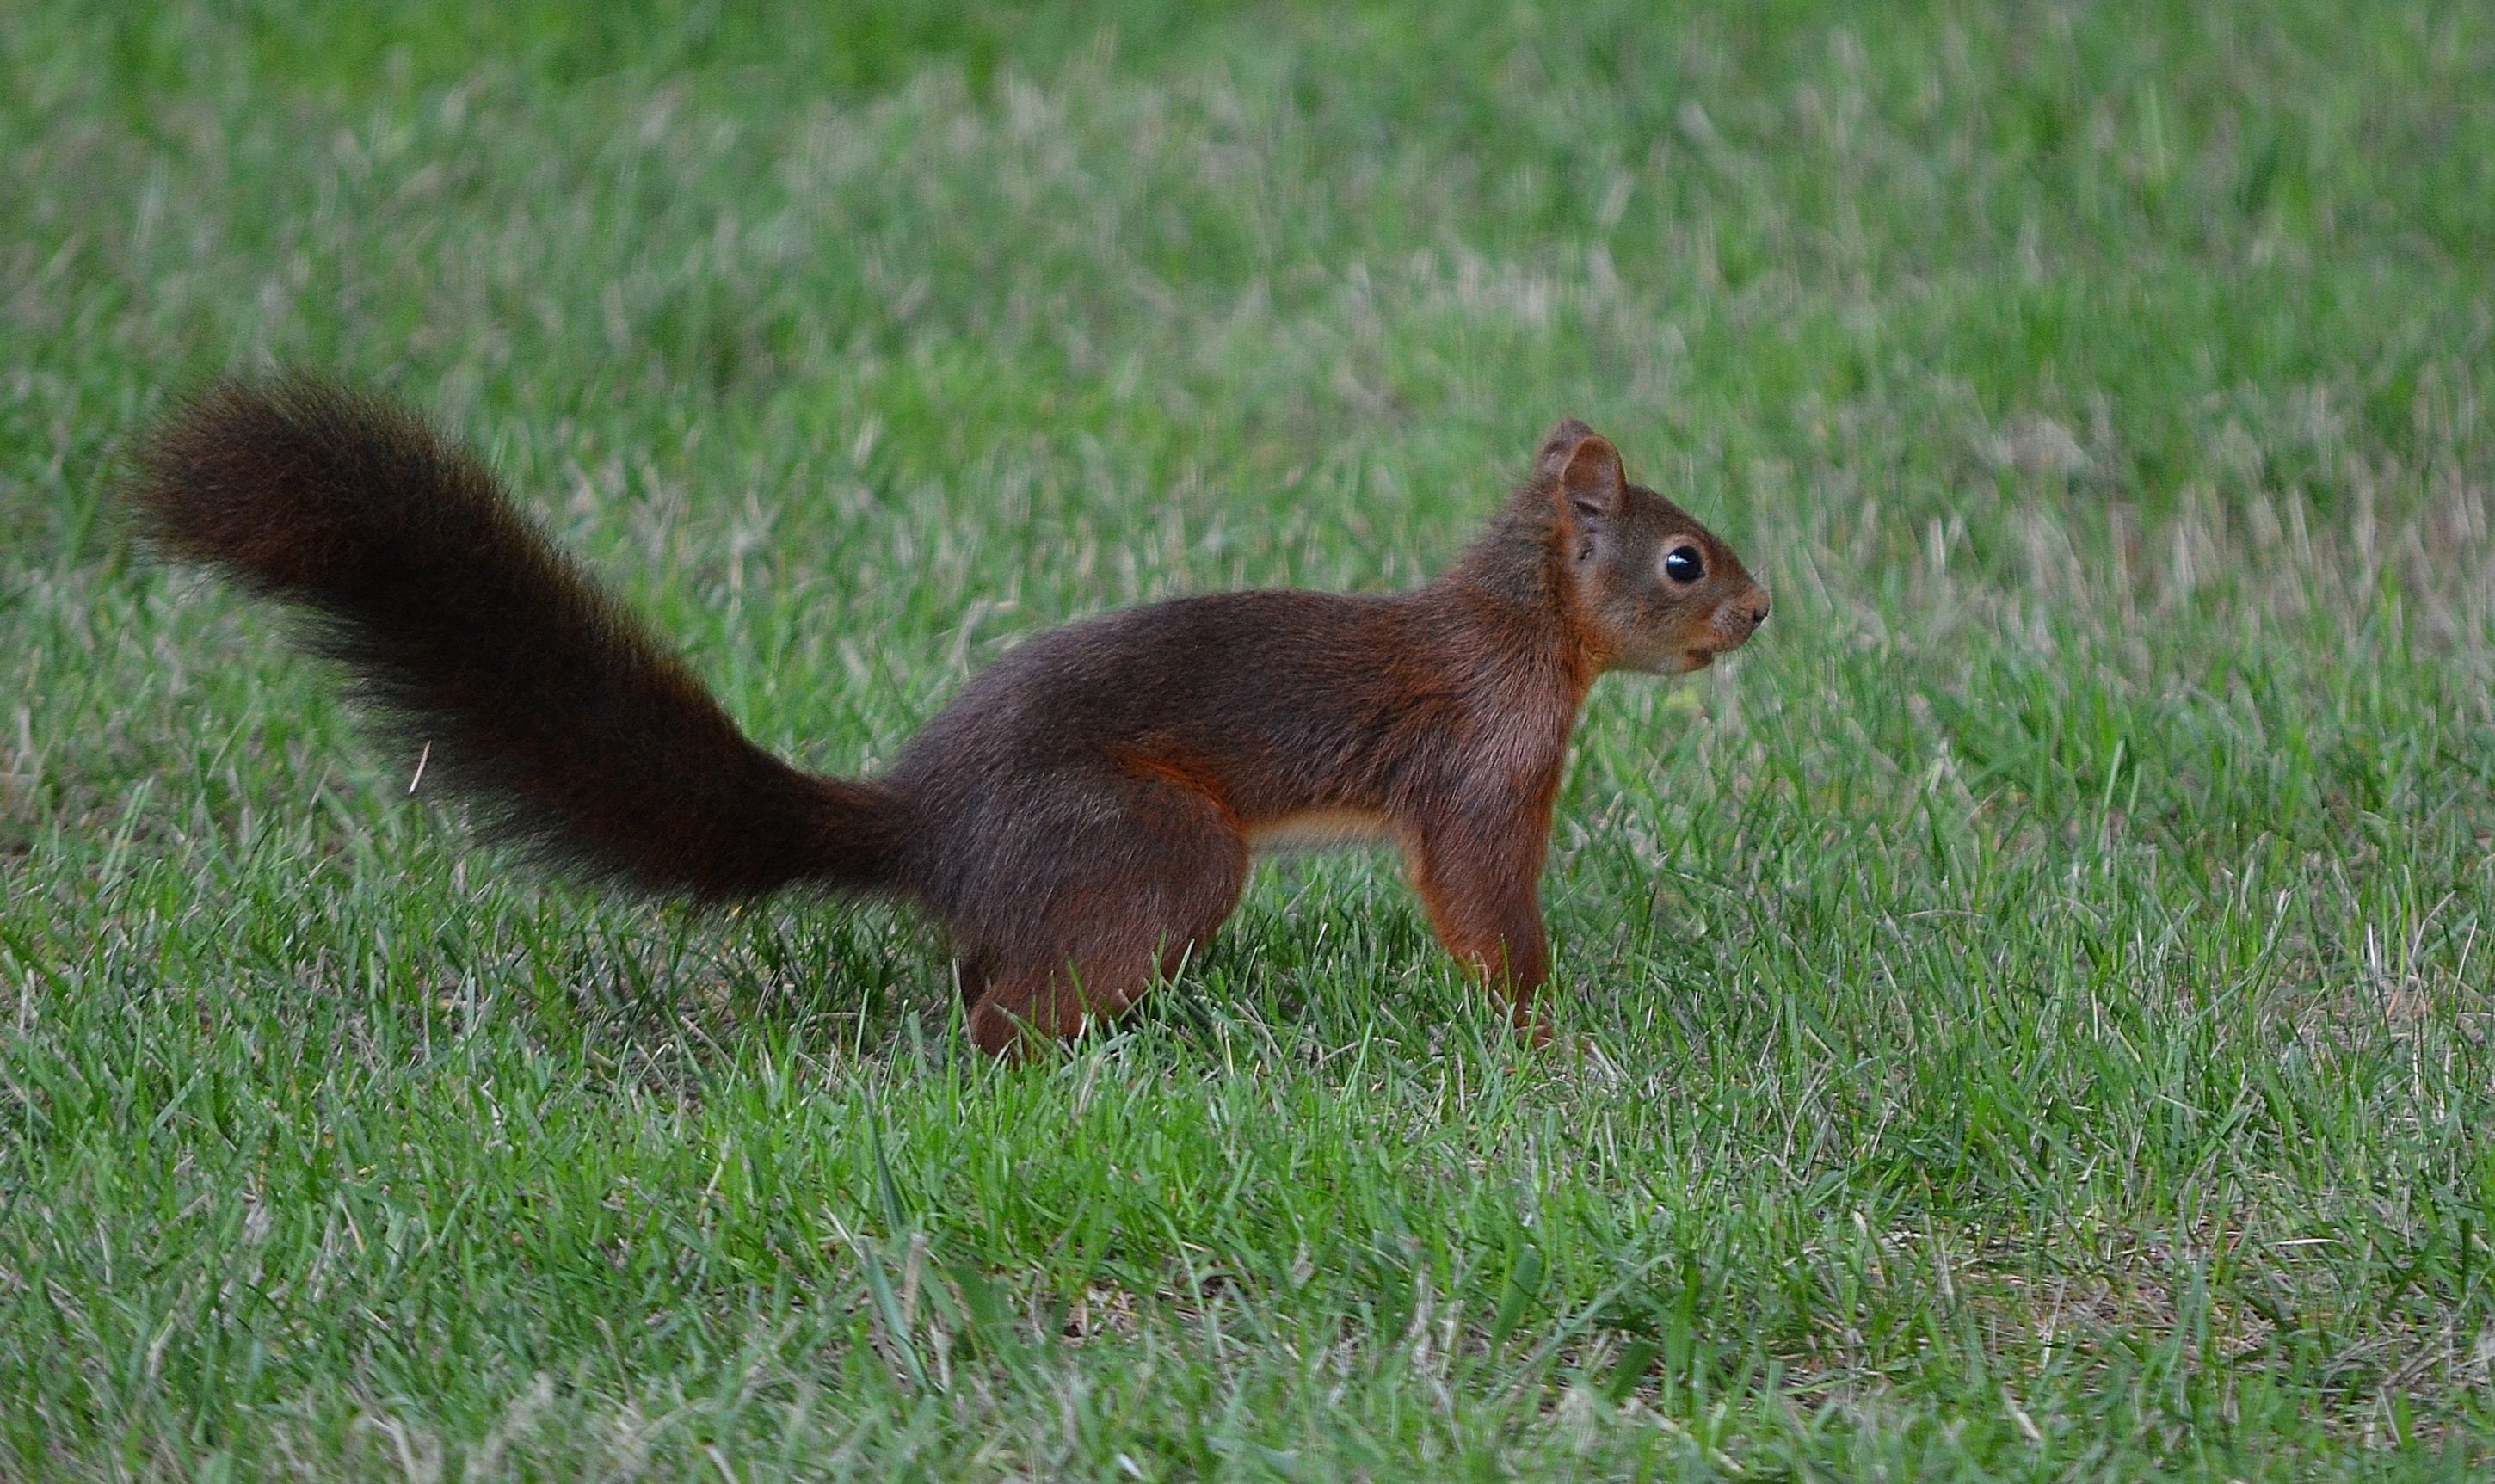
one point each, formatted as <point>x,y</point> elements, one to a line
<point>1683,565</point>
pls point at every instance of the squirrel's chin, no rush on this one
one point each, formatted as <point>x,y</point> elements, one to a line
<point>1674,663</point>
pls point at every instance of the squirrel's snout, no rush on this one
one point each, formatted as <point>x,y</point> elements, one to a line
<point>1742,618</point>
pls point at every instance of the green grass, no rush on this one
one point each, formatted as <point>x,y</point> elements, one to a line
<point>2027,1017</point>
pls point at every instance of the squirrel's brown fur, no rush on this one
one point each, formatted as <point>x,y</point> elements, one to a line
<point>1081,816</point>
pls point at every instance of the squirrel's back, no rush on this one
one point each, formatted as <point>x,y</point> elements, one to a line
<point>1279,693</point>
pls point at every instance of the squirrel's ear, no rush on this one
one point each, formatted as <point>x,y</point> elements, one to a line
<point>1591,484</point>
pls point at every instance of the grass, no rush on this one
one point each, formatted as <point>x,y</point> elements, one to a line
<point>2025,1018</point>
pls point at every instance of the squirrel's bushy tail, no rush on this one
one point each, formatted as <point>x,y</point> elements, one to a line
<point>521,684</point>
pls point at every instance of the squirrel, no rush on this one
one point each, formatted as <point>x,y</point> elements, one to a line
<point>1080,817</point>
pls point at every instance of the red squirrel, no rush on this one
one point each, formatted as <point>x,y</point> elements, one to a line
<point>1081,816</point>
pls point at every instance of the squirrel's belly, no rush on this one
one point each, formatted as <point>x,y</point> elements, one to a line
<point>1315,829</point>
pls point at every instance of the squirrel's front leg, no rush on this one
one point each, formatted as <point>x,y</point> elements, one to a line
<point>1479,875</point>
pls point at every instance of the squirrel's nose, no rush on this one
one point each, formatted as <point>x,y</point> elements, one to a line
<point>1756,612</point>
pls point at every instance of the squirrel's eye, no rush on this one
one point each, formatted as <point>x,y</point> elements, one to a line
<point>1683,565</point>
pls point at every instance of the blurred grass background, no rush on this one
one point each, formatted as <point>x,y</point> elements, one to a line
<point>2028,1014</point>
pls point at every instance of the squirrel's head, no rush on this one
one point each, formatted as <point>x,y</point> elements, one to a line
<point>1651,588</point>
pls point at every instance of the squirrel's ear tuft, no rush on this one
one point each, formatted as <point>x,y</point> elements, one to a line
<point>1557,447</point>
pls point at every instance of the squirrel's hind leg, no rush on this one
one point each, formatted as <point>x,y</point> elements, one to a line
<point>1130,901</point>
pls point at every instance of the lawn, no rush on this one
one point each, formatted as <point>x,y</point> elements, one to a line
<point>2026,1017</point>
